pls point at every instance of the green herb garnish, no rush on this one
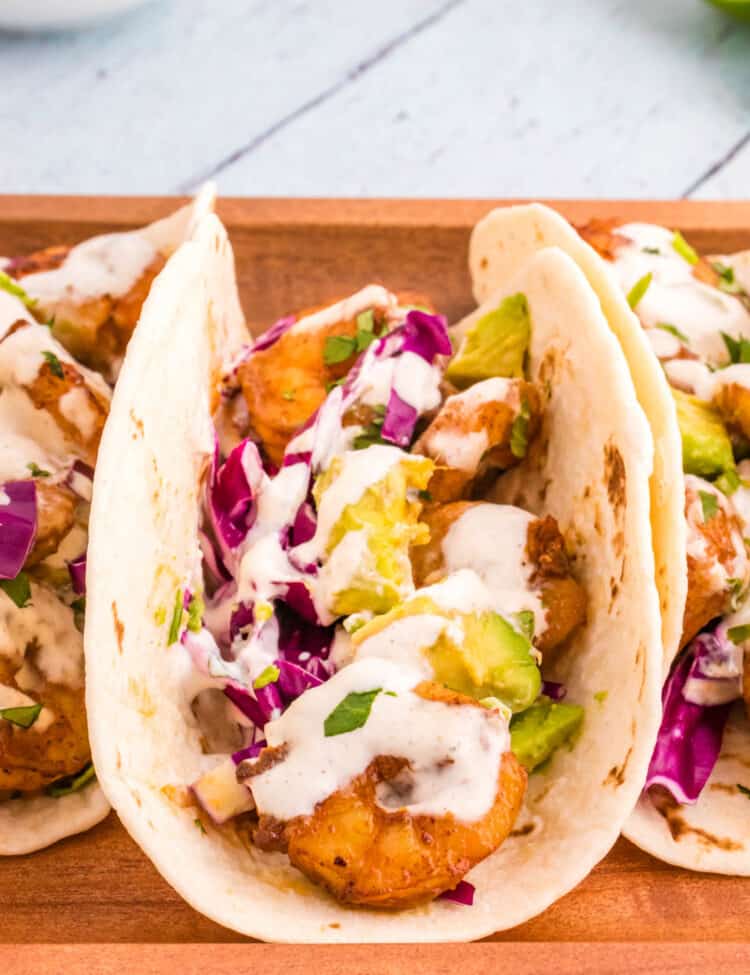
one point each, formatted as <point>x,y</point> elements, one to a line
<point>424,496</point>
<point>709,504</point>
<point>37,471</point>
<point>744,790</point>
<point>73,783</point>
<point>519,432</point>
<point>365,329</point>
<point>526,623</point>
<point>338,348</point>
<point>200,825</point>
<point>18,589</point>
<point>684,249</point>
<point>601,696</point>
<point>725,272</point>
<point>23,716</point>
<point>639,289</point>
<point>174,626</point>
<point>673,330</point>
<point>269,676</point>
<point>738,634</point>
<point>13,288</point>
<point>334,383</point>
<point>371,433</point>
<point>739,350</point>
<point>351,713</point>
<point>54,364</point>
<point>650,250</point>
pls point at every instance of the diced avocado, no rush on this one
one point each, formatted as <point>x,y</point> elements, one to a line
<point>541,729</point>
<point>495,345</point>
<point>386,520</point>
<point>706,447</point>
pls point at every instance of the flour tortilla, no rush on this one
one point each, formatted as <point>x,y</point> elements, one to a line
<point>28,825</point>
<point>714,834</point>
<point>594,456</point>
<point>501,243</point>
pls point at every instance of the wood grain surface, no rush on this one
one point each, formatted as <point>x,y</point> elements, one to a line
<point>99,887</point>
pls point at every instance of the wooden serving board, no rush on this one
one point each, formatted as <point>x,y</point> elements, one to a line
<point>99,888</point>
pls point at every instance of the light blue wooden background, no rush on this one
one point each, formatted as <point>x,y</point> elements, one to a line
<point>625,98</point>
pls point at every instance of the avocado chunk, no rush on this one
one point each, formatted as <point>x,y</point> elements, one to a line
<point>368,565</point>
<point>495,345</point>
<point>706,447</point>
<point>541,729</point>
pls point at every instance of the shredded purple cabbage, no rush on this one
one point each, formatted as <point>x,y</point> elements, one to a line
<point>689,739</point>
<point>554,691</point>
<point>252,751</point>
<point>259,709</point>
<point>399,421</point>
<point>426,335</point>
<point>295,680</point>
<point>272,335</point>
<point>231,495</point>
<point>715,676</point>
<point>77,570</point>
<point>462,893</point>
<point>17,526</point>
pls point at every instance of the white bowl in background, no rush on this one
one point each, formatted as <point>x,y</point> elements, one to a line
<point>59,14</point>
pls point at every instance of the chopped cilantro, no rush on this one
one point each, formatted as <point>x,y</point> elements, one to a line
<point>23,717</point>
<point>744,790</point>
<point>519,432</point>
<point>174,626</point>
<point>526,623</point>
<point>73,783</point>
<point>684,249</point>
<point>424,496</point>
<point>639,289</point>
<point>651,250</point>
<point>739,350</point>
<point>14,288</point>
<point>673,330</point>
<point>601,696</point>
<point>709,504</point>
<point>725,272</point>
<point>334,383</point>
<point>18,589</point>
<point>371,433</point>
<point>268,676</point>
<point>36,470</point>
<point>350,713</point>
<point>200,825</point>
<point>338,348</point>
<point>738,634</point>
<point>54,364</point>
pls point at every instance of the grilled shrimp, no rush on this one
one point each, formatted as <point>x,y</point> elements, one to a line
<point>718,569</point>
<point>55,515</point>
<point>563,598</point>
<point>487,427</point>
<point>367,855</point>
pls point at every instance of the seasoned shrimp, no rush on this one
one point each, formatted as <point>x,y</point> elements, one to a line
<point>487,427</point>
<point>76,399</point>
<point>285,383</point>
<point>41,658</point>
<point>563,598</point>
<point>55,516</point>
<point>718,569</point>
<point>733,403</point>
<point>601,235</point>
<point>367,855</point>
<point>95,331</point>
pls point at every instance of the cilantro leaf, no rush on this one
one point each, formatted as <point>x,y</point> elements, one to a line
<point>725,272</point>
<point>72,783</point>
<point>350,713</point>
<point>23,717</point>
<point>519,432</point>
<point>744,790</point>
<point>738,634</point>
<point>200,825</point>
<point>36,470</point>
<point>709,504</point>
<point>650,250</point>
<point>334,383</point>
<point>338,348</point>
<point>18,589</point>
<point>684,249</point>
<point>54,364</point>
<point>673,330</point>
<point>639,289</point>
<point>739,350</point>
<point>14,288</point>
<point>269,676</point>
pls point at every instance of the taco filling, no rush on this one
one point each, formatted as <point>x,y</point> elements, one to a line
<point>66,314</point>
<point>696,313</point>
<point>365,635</point>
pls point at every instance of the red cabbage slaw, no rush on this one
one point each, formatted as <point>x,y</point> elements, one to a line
<point>690,736</point>
<point>18,524</point>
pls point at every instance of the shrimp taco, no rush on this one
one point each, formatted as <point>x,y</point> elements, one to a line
<point>694,313</point>
<point>381,660</point>
<point>66,314</point>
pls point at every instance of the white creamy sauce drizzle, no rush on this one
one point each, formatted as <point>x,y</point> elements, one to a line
<point>674,296</point>
<point>27,435</point>
<point>373,296</point>
<point>49,624</point>
<point>405,640</point>
<point>417,382</point>
<point>12,309</point>
<point>734,375</point>
<point>689,375</point>
<point>491,540</point>
<point>663,344</point>
<point>425,733</point>
<point>697,547</point>
<point>107,265</point>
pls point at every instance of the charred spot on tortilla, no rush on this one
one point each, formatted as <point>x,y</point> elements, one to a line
<point>616,775</point>
<point>119,626</point>
<point>137,423</point>
<point>524,830</point>
<point>614,477</point>
<point>671,812</point>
